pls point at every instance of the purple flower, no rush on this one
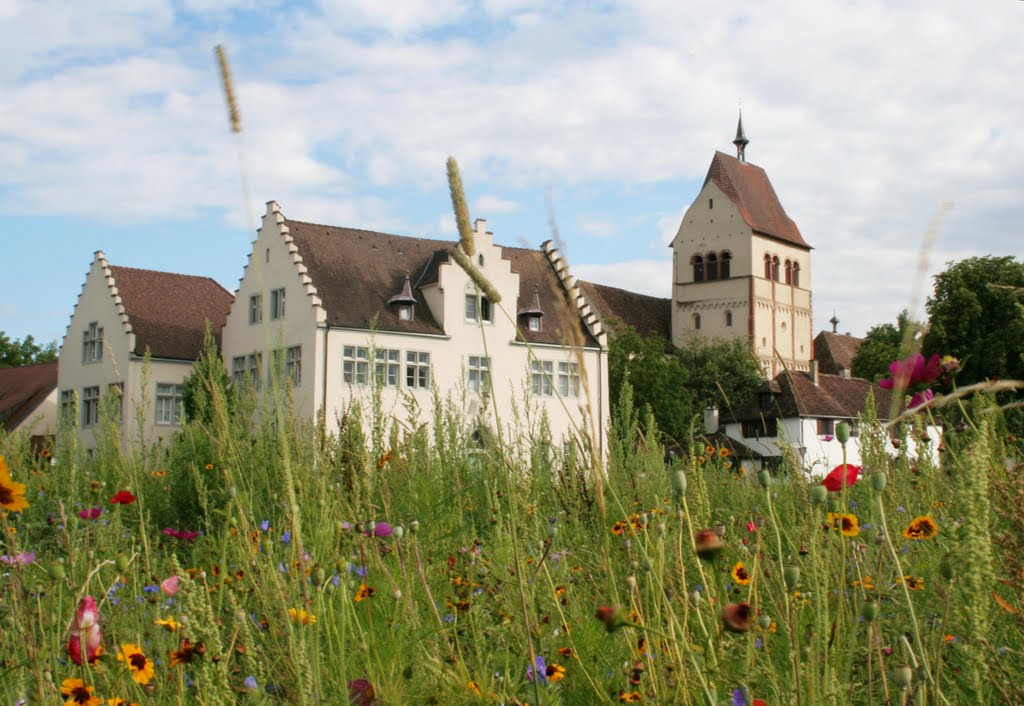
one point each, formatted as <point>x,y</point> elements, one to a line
<point>739,697</point>
<point>250,682</point>
<point>265,525</point>
<point>541,670</point>
<point>286,537</point>
<point>380,529</point>
<point>22,559</point>
<point>921,398</point>
<point>90,513</point>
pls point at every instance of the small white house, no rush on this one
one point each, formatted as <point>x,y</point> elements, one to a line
<point>28,401</point>
<point>121,314</point>
<point>800,410</point>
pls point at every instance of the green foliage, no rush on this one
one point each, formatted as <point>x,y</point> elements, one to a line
<point>883,344</point>
<point>14,353</point>
<point>208,385</point>
<point>679,384</point>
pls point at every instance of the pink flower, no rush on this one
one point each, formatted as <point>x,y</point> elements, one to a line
<point>841,475</point>
<point>921,398</point>
<point>751,526</point>
<point>170,585</point>
<point>85,632</point>
<point>23,558</point>
<point>912,371</point>
<point>90,513</point>
<point>380,529</point>
<point>187,535</point>
<point>827,438</point>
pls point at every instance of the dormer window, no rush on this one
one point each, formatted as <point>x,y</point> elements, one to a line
<point>404,302</point>
<point>531,315</point>
<point>478,308</point>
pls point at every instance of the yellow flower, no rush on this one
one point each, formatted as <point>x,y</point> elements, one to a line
<point>740,575</point>
<point>475,688</point>
<point>914,583</point>
<point>116,701</point>
<point>630,697</point>
<point>619,527</point>
<point>209,466</point>
<point>724,452</point>
<point>923,527</point>
<point>170,623</point>
<point>555,672</point>
<point>78,693</point>
<point>12,495</point>
<point>846,523</point>
<point>364,592</point>
<point>140,666</point>
<point>158,474</point>
<point>301,617</point>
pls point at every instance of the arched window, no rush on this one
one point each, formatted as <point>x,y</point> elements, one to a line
<point>712,267</point>
<point>723,264</point>
<point>775,268</point>
<point>796,274</point>
<point>728,317</point>
<point>767,266</point>
<point>696,321</point>
<point>698,268</point>
<point>789,272</point>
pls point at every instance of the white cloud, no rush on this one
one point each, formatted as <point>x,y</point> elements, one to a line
<point>491,204</point>
<point>651,277</point>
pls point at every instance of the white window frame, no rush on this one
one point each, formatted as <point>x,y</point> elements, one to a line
<point>540,377</point>
<point>169,401</point>
<point>533,323</point>
<point>387,366</point>
<point>569,378</point>
<point>277,304</point>
<point>478,308</point>
<point>355,365</point>
<point>90,406</point>
<point>92,343</point>
<point>417,370</point>
<point>293,364</point>
<point>255,309</point>
<point>478,373</point>
<point>238,370</point>
<point>67,402</point>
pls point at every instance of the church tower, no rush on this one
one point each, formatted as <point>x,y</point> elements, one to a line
<point>740,267</point>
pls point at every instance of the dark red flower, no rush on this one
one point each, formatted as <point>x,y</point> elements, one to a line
<point>737,616</point>
<point>123,497</point>
<point>841,475</point>
<point>361,693</point>
<point>709,543</point>
<point>186,535</point>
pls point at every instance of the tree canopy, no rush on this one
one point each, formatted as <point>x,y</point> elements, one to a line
<point>883,344</point>
<point>25,352</point>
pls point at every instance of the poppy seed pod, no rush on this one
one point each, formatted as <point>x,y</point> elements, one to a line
<point>791,575</point>
<point>764,478</point>
<point>843,432</point>
<point>694,597</point>
<point>819,494</point>
<point>903,676</point>
<point>878,481</point>
<point>869,611</point>
<point>121,562</point>
<point>946,568</point>
<point>55,571</point>
<point>631,583</point>
<point>397,531</point>
<point>764,621</point>
<point>679,482</point>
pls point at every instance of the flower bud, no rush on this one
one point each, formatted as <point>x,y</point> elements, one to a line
<point>121,562</point>
<point>764,478</point>
<point>631,583</point>
<point>819,494</point>
<point>414,526</point>
<point>805,653</point>
<point>230,492</point>
<point>397,594</point>
<point>55,571</point>
<point>694,597</point>
<point>878,481</point>
<point>946,568</point>
<point>791,575</point>
<point>679,482</point>
<point>398,531</point>
<point>843,432</point>
<point>764,621</point>
<point>834,505</point>
<point>869,611</point>
<point>903,676</point>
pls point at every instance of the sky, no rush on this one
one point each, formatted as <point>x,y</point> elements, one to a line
<point>890,129</point>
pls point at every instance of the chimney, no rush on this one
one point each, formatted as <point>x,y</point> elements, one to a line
<point>814,372</point>
<point>711,420</point>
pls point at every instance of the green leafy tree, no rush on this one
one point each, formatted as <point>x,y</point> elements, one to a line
<point>883,344</point>
<point>208,385</point>
<point>25,352</point>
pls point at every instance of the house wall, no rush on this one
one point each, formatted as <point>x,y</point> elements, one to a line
<point>43,420</point>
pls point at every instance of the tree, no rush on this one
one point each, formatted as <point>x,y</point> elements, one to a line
<point>26,352</point>
<point>883,344</point>
<point>208,385</point>
<point>976,314</point>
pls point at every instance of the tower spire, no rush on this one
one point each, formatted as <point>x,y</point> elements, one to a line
<point>741,140</point>
<point>835,322</point>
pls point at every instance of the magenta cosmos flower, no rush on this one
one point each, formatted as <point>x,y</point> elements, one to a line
<point>914,370</point>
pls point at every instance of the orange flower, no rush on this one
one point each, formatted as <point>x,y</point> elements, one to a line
<point>923,527</point>
<point>364,592</point>
<point>12,495</point>
<point>740,575</point>
<point>78,693</point>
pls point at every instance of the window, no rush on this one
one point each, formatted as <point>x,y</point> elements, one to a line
<point>256,309</point>
<point>767,401</point>
<point>92,343</point>
<point>696,322</point>
<point>540,376</point>
<point>789,272</point>
<point>254,364</point>
<point>723,264</point>
<point>385,368</point>
<point>355,365</point>
<point>293,364</point>
<point>238,370</point>
<point>757,428</point>
<point>90,406</point>
<point>767,266</point>
<point>728,317</point>
<point>478,374</point>
<point>796,274</point>
<point>826,427</point>
<point>569,379</point>
<point>117,406</point>
<point>405,312</point>
<point>277,304</point>
<point>417,369</point>
<point>698,268</point>
<point>478,308</point>
<point>775,268</point>
<point>711,203</point>
<point>712,266</point>
<point>67,403</point>
<point>168,403</point>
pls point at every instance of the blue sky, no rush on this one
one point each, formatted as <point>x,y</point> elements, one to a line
<point>872,118</point>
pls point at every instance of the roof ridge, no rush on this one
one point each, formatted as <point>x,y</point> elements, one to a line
<point>449,243</point>
<point>100,258</point>
<point>310,287</point>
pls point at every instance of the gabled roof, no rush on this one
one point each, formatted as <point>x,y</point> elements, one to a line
<point>168,311</point>
<point>356,271</point>
<point>794,394</point>
<point>748,187</point>
<point>650,316</point>
<point>835,351</point>
<point>23,389</point>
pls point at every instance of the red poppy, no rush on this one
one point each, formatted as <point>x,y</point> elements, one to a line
<point>123,497</point>
<point>841,475</point>
<point>186,535</point>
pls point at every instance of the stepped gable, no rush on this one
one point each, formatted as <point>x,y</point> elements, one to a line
<point>650,316</point>
<point>794,394</point>
<point>748,187</point>
<point>835,351</point>
<point>168,312</point>
<point>22,390</point>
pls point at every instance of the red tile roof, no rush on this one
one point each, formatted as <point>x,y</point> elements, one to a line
<point>356,272</point>
<point>650,316</point>
<point>748,187</point>
<point>794,394</point>
<point>168,312</point>
<point>22,389</point>
<point>835,351</point>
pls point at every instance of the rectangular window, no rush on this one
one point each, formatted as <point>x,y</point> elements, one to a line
<point>417,369</point>
<point>760,428</point>
<point>533,323</point>
<point>540,376</point>
<point>254,364</point>
<point>386,366</point>
<point>478,373</point>
<point>826,427</point>
<point>238,370</point>
<point>168,403</point>
<point>117,390</point>
<point>92,343</point>
<point>277,304</point>
<point>90,406</point>
<point>569,379</point>
<point>67,404</point>
<point>293,364</point>
<point>256,309</point>
<point>355,365</point>
<point>478,308</point>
